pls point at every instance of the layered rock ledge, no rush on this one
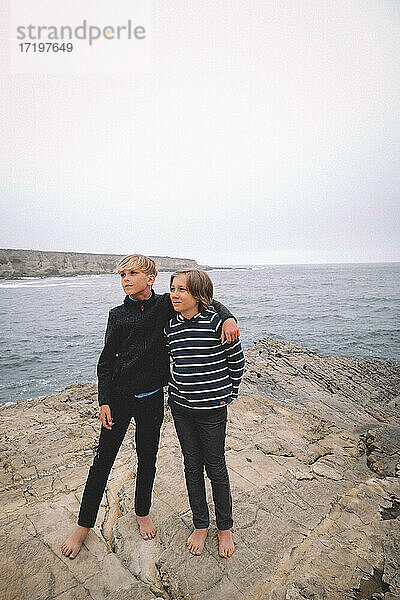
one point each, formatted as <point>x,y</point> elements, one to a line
<point>313,455</point>
<point>15,264</point>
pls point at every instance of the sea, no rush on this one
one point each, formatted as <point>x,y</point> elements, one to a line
<point>52,329</point>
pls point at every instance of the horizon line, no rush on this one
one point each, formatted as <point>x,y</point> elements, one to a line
<point>349,262</point>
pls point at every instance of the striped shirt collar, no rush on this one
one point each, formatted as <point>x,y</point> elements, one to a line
<point>197,317</point>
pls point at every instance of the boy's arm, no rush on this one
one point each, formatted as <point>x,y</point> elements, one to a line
<point>230,331</point>
<point>166,341</point>
<point>105,366</point>
<point>235,359</point>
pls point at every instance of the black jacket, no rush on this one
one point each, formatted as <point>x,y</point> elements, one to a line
<point>134,358</point>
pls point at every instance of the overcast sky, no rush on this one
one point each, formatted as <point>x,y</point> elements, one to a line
<point>253,132</point>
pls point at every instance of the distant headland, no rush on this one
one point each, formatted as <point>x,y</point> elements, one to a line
<point>15,264</point>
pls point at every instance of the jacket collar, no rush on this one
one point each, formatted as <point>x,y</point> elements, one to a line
<point>131,303</point>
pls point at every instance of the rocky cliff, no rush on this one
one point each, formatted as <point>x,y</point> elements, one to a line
<point>38,263</point>
<point>313,455</point>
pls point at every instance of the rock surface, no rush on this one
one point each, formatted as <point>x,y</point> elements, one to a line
<point>313,455</point>
<point>38,263</point>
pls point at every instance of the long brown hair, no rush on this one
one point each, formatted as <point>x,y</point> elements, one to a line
<point>199,285</point>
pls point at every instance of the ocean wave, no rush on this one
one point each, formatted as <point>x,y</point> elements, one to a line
<point>43,282</point>
<point>42,285</point>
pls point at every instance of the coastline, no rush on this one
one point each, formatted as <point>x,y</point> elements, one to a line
<point>313,453</point>
<point>389,363</point>
<point>17,263</point>
<point>335,311</point>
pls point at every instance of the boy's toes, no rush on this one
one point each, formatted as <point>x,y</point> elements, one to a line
<point>196,541</point>
<point>146,527</point>
<point>226,546</point>
<point>193,549</point>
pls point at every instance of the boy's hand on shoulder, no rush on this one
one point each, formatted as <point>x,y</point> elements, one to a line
<point>230,331</point>
<point>105,416</point>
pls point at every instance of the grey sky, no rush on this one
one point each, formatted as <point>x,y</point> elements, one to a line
<point>258,132</point>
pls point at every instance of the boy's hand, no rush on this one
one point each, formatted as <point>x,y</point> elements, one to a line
<point>230,331</point>
<point>105,416</point>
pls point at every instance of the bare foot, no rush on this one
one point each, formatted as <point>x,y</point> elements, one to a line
<point>146,527</point>
<point>196,541</point>
<point>73,544</point>
<point>225,543</point>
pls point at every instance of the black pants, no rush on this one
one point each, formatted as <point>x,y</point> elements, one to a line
<point>201,434</point>
<point>148,413</point>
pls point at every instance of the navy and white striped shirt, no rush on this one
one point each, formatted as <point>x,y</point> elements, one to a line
<point>206,373</point>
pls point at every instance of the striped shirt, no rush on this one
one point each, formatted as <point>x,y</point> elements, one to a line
<point>206,373</point>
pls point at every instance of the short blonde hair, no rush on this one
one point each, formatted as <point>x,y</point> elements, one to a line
<point>137,262</point>
<point>199,285</point>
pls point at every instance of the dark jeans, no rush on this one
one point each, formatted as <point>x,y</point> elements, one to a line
<point>148,413</point>
<point>201,434</point>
